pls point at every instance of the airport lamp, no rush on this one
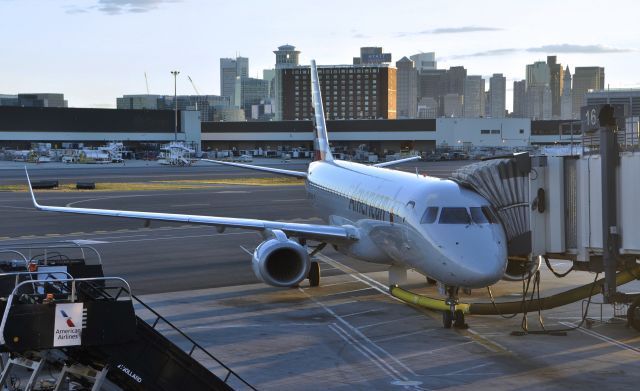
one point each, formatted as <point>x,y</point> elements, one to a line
<point>175,101</point>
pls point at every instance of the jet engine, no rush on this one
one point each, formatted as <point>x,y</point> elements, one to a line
<point>280,261</point>
<point>521,269</point>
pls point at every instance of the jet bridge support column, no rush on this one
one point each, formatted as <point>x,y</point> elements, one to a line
<point>609,158</point>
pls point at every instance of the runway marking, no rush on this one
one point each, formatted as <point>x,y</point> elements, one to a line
<point>110,198</point>
<point>337,283</point>
<point>245,250</point>
<point>351,291</point>
<point>197,204</point>
<point>231,192</point>
<point>18,207</point>
<point>371,356</point>
<point>390,321</point>
<point>604,338</point>
<point>358,276</point>
<point>399,336</point>
<point>467,369</point>
<point>358,313</point>
<point>413,355</point>
<point>83,241</point>
<point>358,333</point>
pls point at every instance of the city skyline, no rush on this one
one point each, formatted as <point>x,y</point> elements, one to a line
<point>95,51</point>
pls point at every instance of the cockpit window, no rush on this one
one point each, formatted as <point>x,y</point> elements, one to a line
<point>454,216</point>
<point>429,216</point>
<point>478,216</point>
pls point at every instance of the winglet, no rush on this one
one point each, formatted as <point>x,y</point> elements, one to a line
<point>33,197</point>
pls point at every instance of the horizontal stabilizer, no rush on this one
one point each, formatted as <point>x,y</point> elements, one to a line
<point>399,161</point>
<point>280,171</point>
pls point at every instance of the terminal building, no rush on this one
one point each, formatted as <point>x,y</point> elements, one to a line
<point>19,126</point>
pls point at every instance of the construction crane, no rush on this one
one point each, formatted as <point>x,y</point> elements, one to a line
<point>194,85</point>
<point>146,81</point>
<point>195,89</point>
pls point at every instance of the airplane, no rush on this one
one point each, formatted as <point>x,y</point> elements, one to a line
<point>375,214</point>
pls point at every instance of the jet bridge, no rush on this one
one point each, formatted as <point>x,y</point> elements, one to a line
<point>581,208</point>
<point>86,330</point>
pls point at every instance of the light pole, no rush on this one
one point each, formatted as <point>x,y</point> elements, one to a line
<point>175,100</point>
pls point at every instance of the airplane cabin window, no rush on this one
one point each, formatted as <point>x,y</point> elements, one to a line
<point>478,216</point>
<point>429,216</point>
<point>490,214</point>
<point>454,216</point>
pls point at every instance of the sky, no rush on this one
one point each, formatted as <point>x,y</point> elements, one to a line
<point>96,50</point>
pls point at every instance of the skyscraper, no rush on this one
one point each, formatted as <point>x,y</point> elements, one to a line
<point>455,78</point>
<point>585,79</point>
<point>406,88</point>
<point>286,57</point>
<point>230,69</point>
<point>473,97</point>
<point>520,99</point>
<point>556,82</point>
<point>250,91</point>
<point>538,91</point>
<point>453,105</point>
<point>497,95</point>
<point>566,104</point>
<point>348,92</point>
<point>425,61</point>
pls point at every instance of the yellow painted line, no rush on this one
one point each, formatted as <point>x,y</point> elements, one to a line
<point>100,232</point>
<point>76,233</point>
<point>27,236</point>
<point>53,235</point>
<point>274,181</point>
<point>134,186</point>
<point>5,237</point>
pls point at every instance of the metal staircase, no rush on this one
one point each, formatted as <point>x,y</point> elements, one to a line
<point>85,331</point>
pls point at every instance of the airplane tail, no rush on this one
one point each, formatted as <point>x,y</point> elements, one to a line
<point>321,142</point>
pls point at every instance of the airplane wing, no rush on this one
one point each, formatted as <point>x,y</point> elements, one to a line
<point>323,233</point>
<point>399,161</point>
<point>297,174</point>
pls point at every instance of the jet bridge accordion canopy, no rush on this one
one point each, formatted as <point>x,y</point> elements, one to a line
<point>504,182</point>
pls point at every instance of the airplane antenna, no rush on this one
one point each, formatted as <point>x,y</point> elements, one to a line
<point>146,81</point>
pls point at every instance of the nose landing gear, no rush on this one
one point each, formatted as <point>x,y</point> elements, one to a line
<point>453,317</point>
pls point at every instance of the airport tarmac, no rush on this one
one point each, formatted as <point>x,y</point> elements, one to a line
<point>346,334</point>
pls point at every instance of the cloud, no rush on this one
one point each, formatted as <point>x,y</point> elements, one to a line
<point>570,48</point>
<point>117,7</point>
<point>486,53</point>
<point>558,48</point>
<point>452,30</point>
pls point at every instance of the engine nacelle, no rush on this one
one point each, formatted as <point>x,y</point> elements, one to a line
<point>281,261</point>
<point>518,270</point>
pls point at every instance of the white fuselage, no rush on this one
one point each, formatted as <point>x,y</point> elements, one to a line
<point>389,208</point>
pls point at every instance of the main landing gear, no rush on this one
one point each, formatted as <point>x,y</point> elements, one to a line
<point>314,274</point>
<point>314,269</point>
<point>453,317</point>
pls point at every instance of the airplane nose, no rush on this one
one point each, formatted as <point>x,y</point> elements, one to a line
<point>480,266</point>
